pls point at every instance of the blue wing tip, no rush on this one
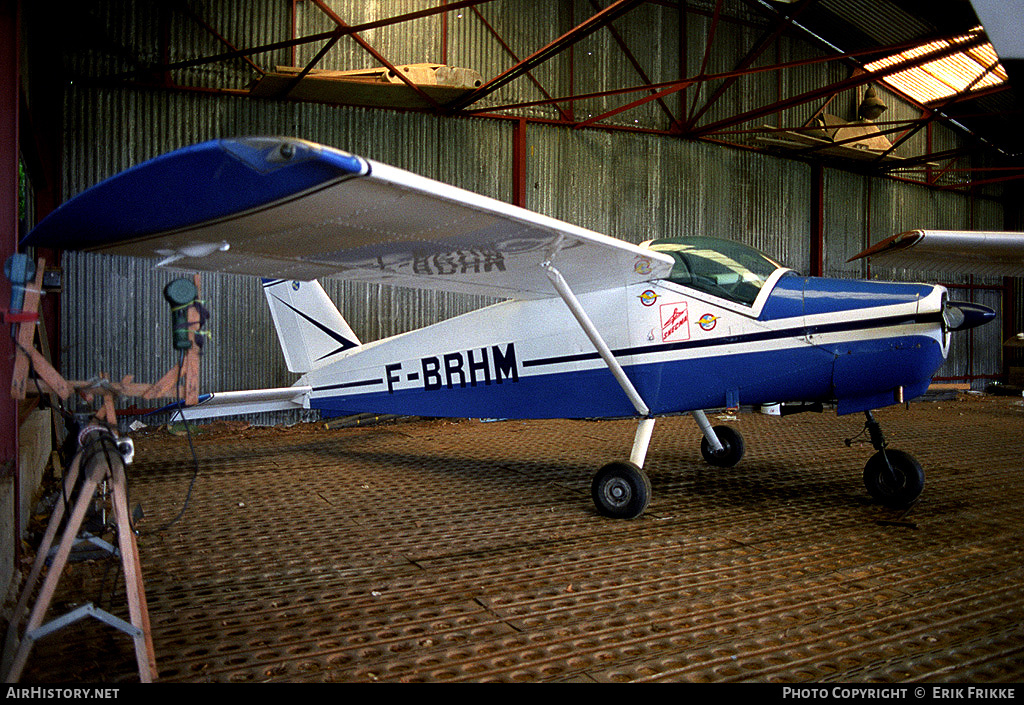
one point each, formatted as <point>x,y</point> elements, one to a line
<point>193,185</point>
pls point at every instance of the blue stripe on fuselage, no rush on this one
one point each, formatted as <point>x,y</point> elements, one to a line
<point>800,373</point>
<point>796,331</point>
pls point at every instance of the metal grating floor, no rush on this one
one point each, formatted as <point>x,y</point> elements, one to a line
<point>470,551</point>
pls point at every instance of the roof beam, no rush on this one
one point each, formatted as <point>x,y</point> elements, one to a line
<point>704,61</point>
<point>309,39</point>
<point>783,23</point>
<point>508,50</point>
<point>937,109</point>
<point>211,30</point>
<point>796,63</point>
<point>366,47</point>
<point>846,84</point>
<point>656,87</point>
<point>636,66</point>
<point>581,31</point>
<point>657,95</point>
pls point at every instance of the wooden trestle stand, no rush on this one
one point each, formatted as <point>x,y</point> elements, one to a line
<point>99,460</point>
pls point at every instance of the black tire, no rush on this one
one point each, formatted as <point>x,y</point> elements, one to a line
<point>732,447</point>
<point>621,490</point>
<point>898,487</point>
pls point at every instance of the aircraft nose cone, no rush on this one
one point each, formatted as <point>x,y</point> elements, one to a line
<point>962,315</point>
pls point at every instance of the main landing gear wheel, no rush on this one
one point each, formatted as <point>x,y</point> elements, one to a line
<point>894,478</point>
<point>732,447</point>
<point>621,490</point>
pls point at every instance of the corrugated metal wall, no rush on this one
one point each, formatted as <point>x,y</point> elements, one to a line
<point>638,186</point>
<point>862,210</point>
<point>630,185</point>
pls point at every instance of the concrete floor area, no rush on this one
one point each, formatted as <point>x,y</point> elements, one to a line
<point>471,551</point>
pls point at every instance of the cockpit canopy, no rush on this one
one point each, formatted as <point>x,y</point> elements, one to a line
<point>722,268</point>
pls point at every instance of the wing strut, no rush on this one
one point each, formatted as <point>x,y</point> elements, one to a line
<point>646,427</point>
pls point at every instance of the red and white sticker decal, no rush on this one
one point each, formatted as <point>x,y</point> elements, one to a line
<point>707,321</point>
<point>675,322</point>
<point>648,297</point>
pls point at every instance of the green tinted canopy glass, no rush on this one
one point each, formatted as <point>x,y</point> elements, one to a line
<point>723,268</point>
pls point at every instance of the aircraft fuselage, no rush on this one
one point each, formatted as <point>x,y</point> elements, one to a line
<point>804,339</point>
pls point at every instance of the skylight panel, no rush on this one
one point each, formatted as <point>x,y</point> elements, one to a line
<point>937,80</point>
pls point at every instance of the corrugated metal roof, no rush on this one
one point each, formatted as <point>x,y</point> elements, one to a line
<point>890,28</point>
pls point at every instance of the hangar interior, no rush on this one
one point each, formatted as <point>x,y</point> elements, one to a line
<point>809,129</point>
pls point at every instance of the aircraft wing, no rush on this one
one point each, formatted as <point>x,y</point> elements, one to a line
<point>952,251</point>
<point>290,209</point>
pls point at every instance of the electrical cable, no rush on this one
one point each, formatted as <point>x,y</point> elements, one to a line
<point>192,449</point>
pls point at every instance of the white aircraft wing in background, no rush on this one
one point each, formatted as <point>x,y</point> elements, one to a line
<point>952,251</point>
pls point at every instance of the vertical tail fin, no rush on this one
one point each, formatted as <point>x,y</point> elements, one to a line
<point>309,326</point>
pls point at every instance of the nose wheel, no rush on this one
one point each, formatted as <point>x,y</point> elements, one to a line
<point>892,477</point>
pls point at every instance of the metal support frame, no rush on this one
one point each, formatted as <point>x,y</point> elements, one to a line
<point>301,41</point>
<point>637,66</point>
<point>342,25</point>
<point>782,24</point>
<point>581,31</point>
<point>645,428</point>
<point>934,110</point>
<point>845,84</point>
<point>519,148</point>
<point>566,114</point>
<point>817,243</point>
<point>715,17</point>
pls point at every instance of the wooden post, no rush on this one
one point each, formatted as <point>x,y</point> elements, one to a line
<point>26,334</point>
<point>98,466</point>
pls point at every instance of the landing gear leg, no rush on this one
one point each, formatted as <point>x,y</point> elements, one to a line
<point>892,477</point>
<point>622,490</point>
<point>641,441</point>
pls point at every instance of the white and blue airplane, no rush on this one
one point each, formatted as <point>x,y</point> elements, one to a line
<point>590,326</point>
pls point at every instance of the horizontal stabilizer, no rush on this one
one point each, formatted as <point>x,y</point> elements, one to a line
<point>252,401</point>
